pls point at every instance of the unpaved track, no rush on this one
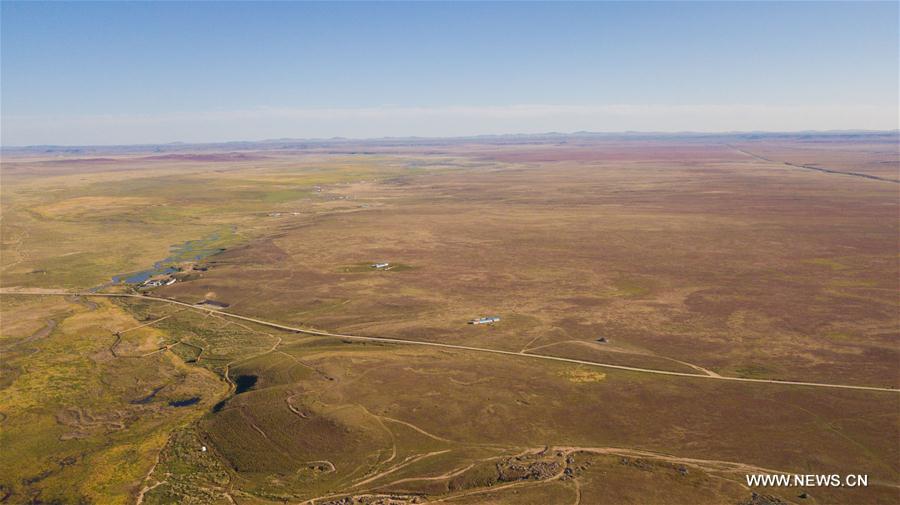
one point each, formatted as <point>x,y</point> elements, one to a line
<point>399,466</point>
<point>600,347</point>
<point>416,428</point>
<point>815,168</point>
<point>48,292</point>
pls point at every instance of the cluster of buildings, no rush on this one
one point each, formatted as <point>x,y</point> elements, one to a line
<point>155,283</point>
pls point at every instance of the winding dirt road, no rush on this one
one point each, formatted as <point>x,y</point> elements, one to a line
<point>270,324</point>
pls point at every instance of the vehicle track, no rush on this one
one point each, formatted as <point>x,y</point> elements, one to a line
<point>401,341</point>
<point>594,345</point>
<point>815,168</point>
<point>408,461</point>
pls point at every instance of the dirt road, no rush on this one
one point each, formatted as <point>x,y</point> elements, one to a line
<point>815,168</point>
<point>270,324</point>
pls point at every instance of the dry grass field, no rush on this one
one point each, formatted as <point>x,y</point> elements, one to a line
<point>760,258</point>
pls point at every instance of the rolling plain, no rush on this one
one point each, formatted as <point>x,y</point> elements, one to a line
<point>660,269</point>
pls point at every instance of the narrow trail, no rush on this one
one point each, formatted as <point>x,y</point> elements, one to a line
<point>527,347</point>
<point>167,347</point>
<point>695,367</point>
<point>599,347</point>
<point>307,365</point>
<point>444,476</point>
<point>455,346</point>
<point>389,432</point>
<point>139,498</point>
<point>416,428</point>
<point>151,323</point>
<point>399,466</point>
<point>577,492</point>
<point>815,168</point>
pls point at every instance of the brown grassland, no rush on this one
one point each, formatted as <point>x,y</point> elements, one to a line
<point>719,257</point>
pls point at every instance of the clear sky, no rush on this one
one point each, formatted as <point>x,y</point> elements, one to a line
<point>107,73</point>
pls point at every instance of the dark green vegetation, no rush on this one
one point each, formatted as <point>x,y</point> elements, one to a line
<point>85,411</point>
<point>689,257</point>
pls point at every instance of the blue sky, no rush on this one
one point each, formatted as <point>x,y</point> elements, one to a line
<point>103,73</point>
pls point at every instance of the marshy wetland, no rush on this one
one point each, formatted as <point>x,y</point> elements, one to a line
<point>682,255</point>
<point>190,251</point>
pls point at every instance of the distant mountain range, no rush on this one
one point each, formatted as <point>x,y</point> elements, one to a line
<point>506,139</point>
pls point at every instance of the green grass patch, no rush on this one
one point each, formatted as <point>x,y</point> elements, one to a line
<point>754,371</point>
<point>632,287</point>
<point>829,263</point>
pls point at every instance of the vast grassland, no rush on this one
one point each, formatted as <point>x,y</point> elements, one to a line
<point>725,257</point>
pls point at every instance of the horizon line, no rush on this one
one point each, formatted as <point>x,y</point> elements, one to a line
<point>336,139</point>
